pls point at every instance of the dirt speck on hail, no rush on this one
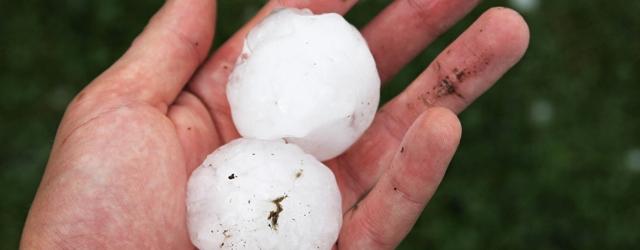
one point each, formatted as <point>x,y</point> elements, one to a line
<point>263,206</point>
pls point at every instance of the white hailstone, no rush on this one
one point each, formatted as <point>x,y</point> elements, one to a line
<point>258,194</point>
<point>309,79</point>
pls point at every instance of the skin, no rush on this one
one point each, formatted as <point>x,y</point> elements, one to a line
<point>124,150</point>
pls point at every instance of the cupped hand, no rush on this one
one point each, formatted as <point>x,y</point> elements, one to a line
<point>127,143</point>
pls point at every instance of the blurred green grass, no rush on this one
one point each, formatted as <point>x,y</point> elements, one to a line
<point>549,159</point>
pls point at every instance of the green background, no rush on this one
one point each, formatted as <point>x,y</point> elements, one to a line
<point>549,158</point>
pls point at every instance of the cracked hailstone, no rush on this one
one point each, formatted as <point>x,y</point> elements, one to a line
<point>309,79</point>
<point>258,194</point>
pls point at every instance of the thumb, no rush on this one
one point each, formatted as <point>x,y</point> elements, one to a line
<point>164,56</point>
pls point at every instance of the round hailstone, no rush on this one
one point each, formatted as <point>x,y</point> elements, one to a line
<point>258,194</point>
<point>309,79</point>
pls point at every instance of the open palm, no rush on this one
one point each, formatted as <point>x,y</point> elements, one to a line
<point>129,141</point>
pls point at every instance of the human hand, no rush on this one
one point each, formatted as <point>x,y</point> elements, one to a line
<point>125,148</point>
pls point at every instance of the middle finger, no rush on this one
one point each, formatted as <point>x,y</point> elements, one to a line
<point>467,68</point>
<point>404,28</point>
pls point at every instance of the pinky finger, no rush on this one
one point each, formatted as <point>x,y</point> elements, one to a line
<point>387,214</point>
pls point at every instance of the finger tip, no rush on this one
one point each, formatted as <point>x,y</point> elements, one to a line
<point>441,123</point>
<point>190,24</point>
<point>512,29</point>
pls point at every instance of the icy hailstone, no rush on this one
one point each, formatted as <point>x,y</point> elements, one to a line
<point>257,194</point>
<point>310,79</point>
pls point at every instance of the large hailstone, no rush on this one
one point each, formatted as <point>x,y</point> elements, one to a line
<point>257,194</point>
<point>309,79</point>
